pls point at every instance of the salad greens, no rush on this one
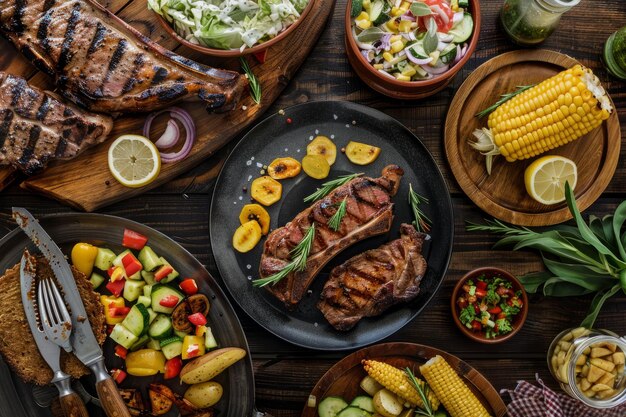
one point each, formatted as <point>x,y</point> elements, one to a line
<point>229,24</point>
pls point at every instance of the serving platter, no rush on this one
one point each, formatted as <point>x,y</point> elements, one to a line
<point>66,230</point>
<point>288,135</point>
<point>502,194</point>
<point>343,378</point>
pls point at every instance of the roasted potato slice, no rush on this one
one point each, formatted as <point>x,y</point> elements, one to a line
<point>323,146</point>
<point>205,394</point>
<point>315,166</point>
<point>247,236</point>
<point>209,365</point>
<point>387,404</point>
<point>266,190</point>
<point>159,403</point>
<point>282,168</point>
<point>361,153</point>
<point>258,213</point>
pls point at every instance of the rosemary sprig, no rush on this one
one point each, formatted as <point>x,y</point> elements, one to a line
<point>328,186</point>
<point>335,221</point>
<point>422,222</point>
<point>427,409</point>
<point>255,85</point>
<point>504,98</point>
<point>299,257</point>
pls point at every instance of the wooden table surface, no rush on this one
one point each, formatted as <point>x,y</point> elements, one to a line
<point>285,374</point>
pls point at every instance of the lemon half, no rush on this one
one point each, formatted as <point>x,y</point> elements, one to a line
<point>134,161</point>
<point>545,178</point>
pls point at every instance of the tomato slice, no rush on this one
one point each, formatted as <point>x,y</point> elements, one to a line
<point>189,286</point>
<point>442,13</point>
<point>197,319</point>
<point>169,301</point>
<point>134,240</point>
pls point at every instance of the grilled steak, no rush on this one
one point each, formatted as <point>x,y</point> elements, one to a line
<point>36,127</point>
<point>17,345</point>
<point>102,63</point>
<point>369,213</point>
<point>370,283</point>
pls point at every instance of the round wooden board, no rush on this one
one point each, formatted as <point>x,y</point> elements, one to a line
<point>503,194</point>
<point>343,378</point>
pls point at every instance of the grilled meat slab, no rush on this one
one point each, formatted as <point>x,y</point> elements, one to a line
<point>370,283</point>
<point>36,127</point>
<point>17,345</point>
<point>103,64</point>
<point>368,213</point>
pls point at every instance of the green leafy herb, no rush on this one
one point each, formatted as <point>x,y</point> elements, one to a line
<point>430,40</point>
<point>421,222</point>
<point>335,221</point>
<point>492,298</point>
<point>299,257</point>
<point>503,99</point>
<point>504,326</point>
<point>370,35</point>
<point>419,9</point>
<point>467,315</point>
<point>427,408</point>
<point>255,85</point>
<point>329,186</point>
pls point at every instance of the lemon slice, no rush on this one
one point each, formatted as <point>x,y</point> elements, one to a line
<point>134,161</point>
<point>545,178</point>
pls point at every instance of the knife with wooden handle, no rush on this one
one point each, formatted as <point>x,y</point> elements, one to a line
<point>84,343</point>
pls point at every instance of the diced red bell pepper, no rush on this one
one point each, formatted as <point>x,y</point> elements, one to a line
<point>482,285</point>
<point>505,292</point>
<point>173,367</point>
<point>119,311</point>
<point>120,351</point>
<point>116,287</point>
<point>501,316</point>
<point>193,351</point>
<point>133,240</point>
<point>131,264</point>
<point>476,326</point>
<point>163,272</point>
<point>495,310</point>
<point>111,270</point>
<point>189,286</point>
<point>117,273</point>
<point>476,308</point>
<point>169,301</point>
<point>261,56</point>
<point>197,319</point>
<point>118,375</point>
<point>480,293</point>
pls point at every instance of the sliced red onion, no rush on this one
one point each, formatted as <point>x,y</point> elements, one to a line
<point>445,37</point>
<point>441,45</point>
<point>464,50</point>
<point>170,137</point>
<point>435,8</point>
<point>417,61</point>
<point>387,74</point>
<point>435,71</point>
<point>190,132</point>
<point>458,56</point>
<point>408,16</point>
<point>457,17</point>
<point>385,42</point>
<point>368,55</point>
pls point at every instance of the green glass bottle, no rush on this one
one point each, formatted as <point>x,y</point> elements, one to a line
<point>614,54</point>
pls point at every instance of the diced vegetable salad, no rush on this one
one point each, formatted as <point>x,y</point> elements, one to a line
<point>412,40</point>
<point>229,24</point>
<point>489,306</point>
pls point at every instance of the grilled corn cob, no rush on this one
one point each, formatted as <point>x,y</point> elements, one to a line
<point>556,111</point>
<point>396,381</point>
<point>455,396</point>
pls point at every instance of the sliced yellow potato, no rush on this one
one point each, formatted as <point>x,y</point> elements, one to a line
<point>205,394</point>
<point>247,236</point>
<point>361,153</point>
<point>315,166</point>
<point>210,365</point>
<point>387,404</point>
<point>266,190</point>
<point>258,213</point>
<point>370,385</point>
<point>282,168</point>
<point>321,145</point>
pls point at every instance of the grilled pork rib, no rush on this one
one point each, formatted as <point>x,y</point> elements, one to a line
<point>36,127</point>
<point>369,213</point>
<point>103,64</point>
<point>370,283</point>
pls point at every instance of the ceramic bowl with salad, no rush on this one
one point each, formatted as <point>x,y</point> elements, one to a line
<point>410,48</point>
<point>230,28</point>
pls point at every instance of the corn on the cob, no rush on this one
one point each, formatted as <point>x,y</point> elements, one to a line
<point>396,381</point>
<point>455,396</point>
<point>556,111</point>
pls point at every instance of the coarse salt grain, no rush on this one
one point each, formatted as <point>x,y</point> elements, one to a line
<point>335,117</point>
<point>259,165</point>
<point>249,178</point>
<point>248,266</point>
<point>281,112</point>
<point>240,198</point>
<point>332,136</point>
<point>317,132</point>
<point>248,163</point>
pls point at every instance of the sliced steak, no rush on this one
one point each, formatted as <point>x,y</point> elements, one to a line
<point>36,127</point>
<point>102,63</point>
<point>368,213</point>
<point>370,283</point>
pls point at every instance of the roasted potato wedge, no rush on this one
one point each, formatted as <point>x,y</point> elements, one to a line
<point>323,146</point>
<point>159,403</point>
<point>282,168</point>
<point>370,385</point>
<point>266,190</point>
<point>209,365</point>
<point>315,166</point>
<point>387,404</point>
<point>361,153</point>
<point>247,236</point>
<point>204,394</point>
<point>258,213</point>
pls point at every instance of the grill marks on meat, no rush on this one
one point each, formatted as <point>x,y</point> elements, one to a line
<point>36,127</point>
<point>102,63</point>
<point>368,213</point>
<point>370,283</point>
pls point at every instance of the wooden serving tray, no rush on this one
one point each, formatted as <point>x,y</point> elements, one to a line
<point>86,183</point>
<point>344,377</point>
<point>503,194</point>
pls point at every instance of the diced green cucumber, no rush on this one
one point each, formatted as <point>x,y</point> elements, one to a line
<point>136,276</point>
<point>133,289</point>
<point>104,259</point>
<point>96,279</point>
<point>121,335</point>
<point>159,292</point>
<point>364,403</point>
<point>209,339</point>
<point>147,290</point>
<point>172,275</point>
<point>379,12</point>
<point>153,344</point>
<point>172,347</point>
<point>149,259</point>
<point>462,30</point>
<point>161,327</point>
<point>352,411</point>
<point>148,277</point>
<point>118,260</point>
<point>331,406</point>
<point>142,299</point>
<point>448,54</point>
<point>152,314</point>
<point>180,333</point>
<point>356,8</point>
<point>140,343</point>
<point>137,320</point>
<point>464,3</point>
<point>417,50</point>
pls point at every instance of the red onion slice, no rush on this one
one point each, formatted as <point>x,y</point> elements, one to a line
<point>459,55</point>
<point>435,71</point>
<point>457,17</point>
<point>170,137</point>
<point>190,132</point>
<point>418,61</point>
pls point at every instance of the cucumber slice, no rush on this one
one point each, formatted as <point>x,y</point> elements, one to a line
<point>209,339</point>
<point>133,289</point>
<point>104,259</point>
<point>118,260</point>
<point>147,290</point>
<point>464,3</point>
<point>149,259</point>
<point>172,275</point>
<point>417,50</point>
<point>136,276</point>
<point>172,347</point>
<point>379,13</point>
<point>148,277</point>
<point>158,293</point>
<point>161,327</point>
<point>142,299</point>
<point>137,320</point>
<point>180,333</point>
<point>121,335</point>
<point>153,344</point>
<point>364,403</point>
<point>356,8</point>
<point>96,279</point>
<point>463,29</point>
<point>331,406</point>
<point>448,54</point>
<point>352,411</point>
<point>140,343</point>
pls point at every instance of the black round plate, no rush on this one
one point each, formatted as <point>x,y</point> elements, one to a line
<point>66,230</point>
<point>288,135</point>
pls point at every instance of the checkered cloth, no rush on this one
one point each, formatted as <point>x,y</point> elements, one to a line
<point>528,400</point>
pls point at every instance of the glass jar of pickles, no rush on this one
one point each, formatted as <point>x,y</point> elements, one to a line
<point>589,365</point>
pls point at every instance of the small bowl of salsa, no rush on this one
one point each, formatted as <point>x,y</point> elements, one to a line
<point>489,305</point>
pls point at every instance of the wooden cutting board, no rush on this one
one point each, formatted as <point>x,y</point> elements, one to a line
<point>86,183</point>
